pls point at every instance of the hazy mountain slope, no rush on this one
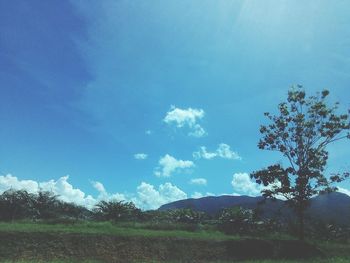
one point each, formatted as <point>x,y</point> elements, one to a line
<point>330,207</point>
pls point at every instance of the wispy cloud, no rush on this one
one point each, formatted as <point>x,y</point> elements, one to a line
<point>140,156</point>
<point>223,151</point>
<point>198,181</point>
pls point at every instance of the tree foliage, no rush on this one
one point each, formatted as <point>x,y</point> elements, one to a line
<point>187,215</point>
<point>16,205</point>
<point>19,204</point>
<point>236,220</point>
<point>301,131</point>
<point>45,205</point>
<point>116,210</point>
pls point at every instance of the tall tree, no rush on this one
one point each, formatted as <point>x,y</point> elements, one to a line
<point>301,131</point>
<point>15,205</point>
<point>45,205</point>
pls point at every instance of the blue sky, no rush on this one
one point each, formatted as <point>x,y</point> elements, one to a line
<point>122,96</point>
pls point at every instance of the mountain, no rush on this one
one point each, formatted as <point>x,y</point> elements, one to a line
<point>213,204</point>
<point>333,207</point>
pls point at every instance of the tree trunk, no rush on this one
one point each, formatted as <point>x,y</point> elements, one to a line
<point>301,230</point>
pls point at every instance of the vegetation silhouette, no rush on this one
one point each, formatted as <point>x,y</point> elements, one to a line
<point>301,131</point>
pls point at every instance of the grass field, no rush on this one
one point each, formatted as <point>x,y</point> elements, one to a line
<point>100,240</point>
<point>328,260</point>
<point>107,228</point>
<point>126,229</point>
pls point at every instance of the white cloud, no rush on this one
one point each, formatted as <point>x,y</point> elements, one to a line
<point>60,187</point>
<point>200,195</point>
<point>140,156</point>
<point>203,153</point>
<point>104,195</point>
<point>243,184</point>
<point>99,187</point>
<point>67,192</point>
<point>148,132</point>
<point>198,181</point>
<point>117,196</point>
<point>223,151</point>
<point>197,131</point>
<point>196,195</point>
<point>186,118</point>
<point>344,191</point>
<point>148,197</point>
<point>169,165</point>
<point>11,182</point>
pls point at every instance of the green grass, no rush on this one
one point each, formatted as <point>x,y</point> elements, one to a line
<point>328,260</point>
<point>108,228</point>
<point>336,252</point>
<point>128,229</point>
<point>55,261</point>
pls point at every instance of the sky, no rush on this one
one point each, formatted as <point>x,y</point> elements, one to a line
<point>156,101</point>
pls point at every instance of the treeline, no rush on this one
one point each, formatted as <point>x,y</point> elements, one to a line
<point>20,205</point>
<point>46,207</point>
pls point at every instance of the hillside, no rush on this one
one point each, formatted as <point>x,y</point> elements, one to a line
<point>329,207</point>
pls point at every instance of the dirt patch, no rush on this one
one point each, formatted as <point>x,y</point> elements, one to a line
<point>108,248</point>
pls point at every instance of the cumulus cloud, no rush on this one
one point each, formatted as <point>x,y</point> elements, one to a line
<point>198,181</point>
<point>104,195</point>
<point>67,192</point>
<point>243,184</point>
<point>169,165</point>
<point>223,151</point>
<point>11,182</point>
<point>140,156</point>
<point>61,187</point>
<point>148,132</point>
<point>186,118</point>
<point>148,197</point>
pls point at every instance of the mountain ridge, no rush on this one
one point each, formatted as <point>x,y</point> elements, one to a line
<point>333,207</point>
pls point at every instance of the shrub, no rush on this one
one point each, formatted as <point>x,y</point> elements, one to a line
<point>116,211</point>
<point>236,220</point>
